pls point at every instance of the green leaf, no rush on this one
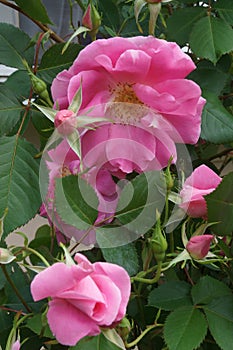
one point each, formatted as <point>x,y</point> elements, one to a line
<point>19,187</point>
<point>225,10</point>
<point>6,321</point>
<point>219,315</point>
<point>19,83</point>
<point>140,198</point>
<point>207,289</point>
<point>125,256</point>
<point>21,281</point>
<point>53,61</point>
<point>35,9</point>
<point>110,13</point>
<point>10,110</point>
<point>220,206</point>
<point>217,122</point>
<point>14,46</point>
<point>36,325</point>
<point>181,22</point>
<point>136,210</point>
<point>185,329</point>
<point>211,38</point>
<point>170,295</point>
<point>209,77</point>
<point>99,342</point>
<point>79,31</point>
<point>76,202</point>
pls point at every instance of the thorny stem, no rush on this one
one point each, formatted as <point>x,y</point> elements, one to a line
<point>4,270</point>
<point>42,26</point>
<point>12,310</point>
<point>37,51</point>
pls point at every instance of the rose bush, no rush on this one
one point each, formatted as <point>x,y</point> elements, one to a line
<point>101,137</point>
<point>90,296</point>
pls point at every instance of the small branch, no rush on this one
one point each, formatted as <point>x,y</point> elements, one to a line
<point>42,26</point>
<point>221,154</point>
<point>4,270</point>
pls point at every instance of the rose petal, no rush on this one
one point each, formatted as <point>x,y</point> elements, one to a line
<point>68,323</point>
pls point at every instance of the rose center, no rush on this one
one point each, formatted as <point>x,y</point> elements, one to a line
<point>125,107</point>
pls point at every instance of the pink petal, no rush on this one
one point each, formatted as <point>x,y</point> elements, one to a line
<point>69,324</point>
<point>203,178</point>
<point>112,296</point>
<point>112,48</point>
<point>48,282</point>
<point>59,89</point>
<point>120,277</point>
<point>131,64</point>
<point>182,110</point>
<point>95,89</point>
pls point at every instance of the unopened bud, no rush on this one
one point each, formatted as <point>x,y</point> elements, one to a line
<point>40,88</point>
<point>198,246</point>
<point>65,122</point>
<point>92,20</point>
<point>5,256</point>
<point>158,242</point>
<point>124,328</point>
<point>169,179</point>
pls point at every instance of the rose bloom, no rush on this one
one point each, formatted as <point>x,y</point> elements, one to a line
<point>139,83</point>
<point>84,297</point>
<point>198,246</point>
<point>201,182</point>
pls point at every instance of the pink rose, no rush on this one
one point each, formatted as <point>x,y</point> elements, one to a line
<point>139,83</point>
<point>65,121</point>
<point>201,182</point>
<point>198,246</point>
<point>84,297</point>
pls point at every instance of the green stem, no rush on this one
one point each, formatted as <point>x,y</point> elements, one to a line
<point>37,254</point>
<point>147,280</point>
<point>11,336</point>
<point>137,340</point>
<point>15,288</point>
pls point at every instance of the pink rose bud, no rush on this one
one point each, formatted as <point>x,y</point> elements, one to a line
<point>16,346</point>
<point>91,19</point>
<point>198,246</point>
<point>200,183</point>
<point>83,297</point>
<point>153,1</point>
<point>65,121</point>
